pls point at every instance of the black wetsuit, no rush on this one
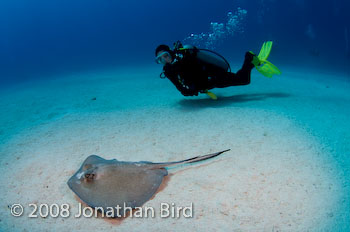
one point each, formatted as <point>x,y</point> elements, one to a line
<point>191,75</point>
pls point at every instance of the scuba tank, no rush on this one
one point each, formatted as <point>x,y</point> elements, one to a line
<point>206,56</point>
<point>213,58</point>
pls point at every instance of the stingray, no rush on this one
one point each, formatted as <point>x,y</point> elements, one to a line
<point>103,184</point>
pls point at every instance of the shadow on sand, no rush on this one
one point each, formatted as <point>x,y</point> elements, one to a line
<point>229,100</point>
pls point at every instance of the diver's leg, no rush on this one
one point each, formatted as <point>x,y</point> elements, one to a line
<point>242,77</point>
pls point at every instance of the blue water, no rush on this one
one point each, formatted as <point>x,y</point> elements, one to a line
<point>50,39</point>
<point>41,38</point>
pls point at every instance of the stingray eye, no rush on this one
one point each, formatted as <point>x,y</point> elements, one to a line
<point>89,177</point>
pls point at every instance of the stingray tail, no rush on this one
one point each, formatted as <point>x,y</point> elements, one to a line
<point>187,161</point>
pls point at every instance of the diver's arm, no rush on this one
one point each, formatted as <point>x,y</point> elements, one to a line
<point>185,90</point>
<point>184,58</point>
<point>171,73</point>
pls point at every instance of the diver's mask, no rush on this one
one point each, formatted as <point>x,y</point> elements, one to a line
<point>162,58</point>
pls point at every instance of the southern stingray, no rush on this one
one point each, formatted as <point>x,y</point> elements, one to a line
<point>112,183</point>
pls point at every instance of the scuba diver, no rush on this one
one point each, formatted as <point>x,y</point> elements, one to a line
<point>193,70</point>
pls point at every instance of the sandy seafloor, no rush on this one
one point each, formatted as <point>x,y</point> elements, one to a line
<point>288,168</point>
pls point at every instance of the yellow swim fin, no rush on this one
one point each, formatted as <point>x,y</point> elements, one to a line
<point>211,95</point>
<point>265,50</point>
<point>267,69</point>
<point>261,63</point>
